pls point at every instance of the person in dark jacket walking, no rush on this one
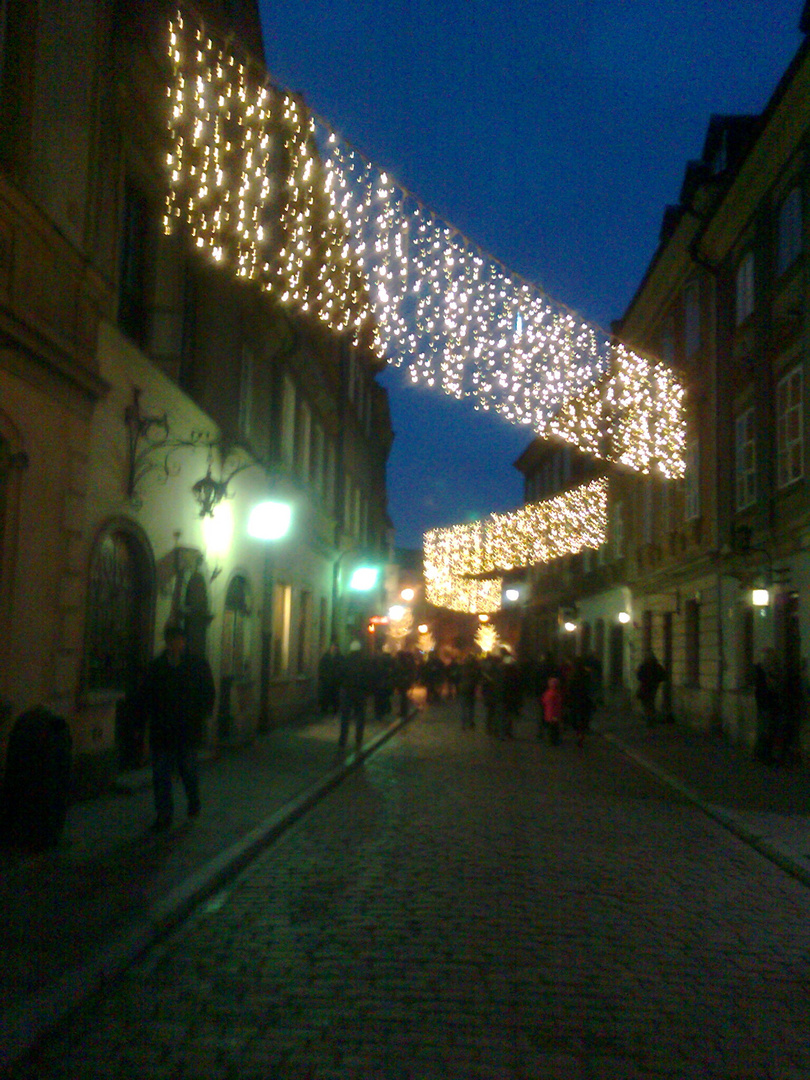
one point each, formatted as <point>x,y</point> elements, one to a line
<point>355,684</point>
<point>650,675</point>
<point>175,699</point>
<point>329,680</point>
<point>768,697</point>
<point>580,699</point>
<point>468,691</point>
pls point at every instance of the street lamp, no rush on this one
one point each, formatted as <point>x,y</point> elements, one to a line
<point>268,521</point>
<point>364,578</point>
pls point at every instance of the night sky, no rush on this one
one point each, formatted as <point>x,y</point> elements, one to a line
<point>553,133</point>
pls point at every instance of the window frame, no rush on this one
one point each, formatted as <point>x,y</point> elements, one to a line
<point>785,445</point>
<point>745,475</point>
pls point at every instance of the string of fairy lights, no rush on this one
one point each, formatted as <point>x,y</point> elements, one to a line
<point>265,187</point>
<point>261,185</point>
<point>456,557</point>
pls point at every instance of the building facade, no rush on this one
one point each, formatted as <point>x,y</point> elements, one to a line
<point>149,400</point>
<point>725,303</point>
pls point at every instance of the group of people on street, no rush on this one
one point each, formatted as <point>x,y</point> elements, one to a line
<point>177,695</point>
<point>348,682</point>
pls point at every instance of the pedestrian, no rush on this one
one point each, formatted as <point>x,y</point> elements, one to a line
<point>580,699</point>
<point>767,695</point>
<point>492,691</point>
<point>552,705</point>
<point>329,680</point>
<point>404,678</point>
<point>175,699</point>
<point>512,694</point>
<point>650,675</point>
<point>383,675</point>
<point>469,678</point>
<point>355,683</point>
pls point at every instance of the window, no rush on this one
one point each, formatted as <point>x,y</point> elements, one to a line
<point>646,631</point>
<point>303,439</point>
<point>618,530</point>
<point>282,610</point>
<point>789,433</point>
<point>304,658</point>
<point>317,454</point>
<point>691,492</point>
<point>744,288</point>
<point>745,460</point>
<point>288,421</point>
<point>691,299</point>
<point>692,634</point>
<point>246,391</point>
<point>132,313</point>
<point>648,511</point>
<point>789,230</point>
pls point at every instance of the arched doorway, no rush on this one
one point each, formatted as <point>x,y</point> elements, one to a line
<point>120,600</point>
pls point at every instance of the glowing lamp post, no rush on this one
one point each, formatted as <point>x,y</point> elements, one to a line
<point>269,521</point>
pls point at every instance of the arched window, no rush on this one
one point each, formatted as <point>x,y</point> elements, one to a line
<point>119,610</point>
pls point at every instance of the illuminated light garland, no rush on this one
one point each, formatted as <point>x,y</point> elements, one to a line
<point>455,557</point>
<point>264,187</point>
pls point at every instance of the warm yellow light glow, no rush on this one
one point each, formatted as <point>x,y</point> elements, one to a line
<point>536,533</point>
<point>623,617</point>
<point>407,595</point>
<point>217,529</point>
<point>569,627</point>
<point>486,638</point>
<point>261,186</point>
<point>423,628</point>
<point>760,597</point>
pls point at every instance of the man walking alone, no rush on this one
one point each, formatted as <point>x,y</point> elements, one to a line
<point>176,697</point>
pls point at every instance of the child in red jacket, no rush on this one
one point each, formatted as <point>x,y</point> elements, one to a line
<point>552,710</point>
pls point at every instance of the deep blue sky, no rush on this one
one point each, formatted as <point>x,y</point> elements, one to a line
<point>552,132</point>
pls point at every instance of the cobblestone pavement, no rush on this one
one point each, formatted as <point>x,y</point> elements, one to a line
<point>465,908</point>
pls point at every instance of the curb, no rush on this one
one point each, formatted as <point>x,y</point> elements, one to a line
<point>25,1024</point>
<point>772,850</point>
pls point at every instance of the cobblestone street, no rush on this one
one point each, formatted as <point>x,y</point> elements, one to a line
<point>460,908</point>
